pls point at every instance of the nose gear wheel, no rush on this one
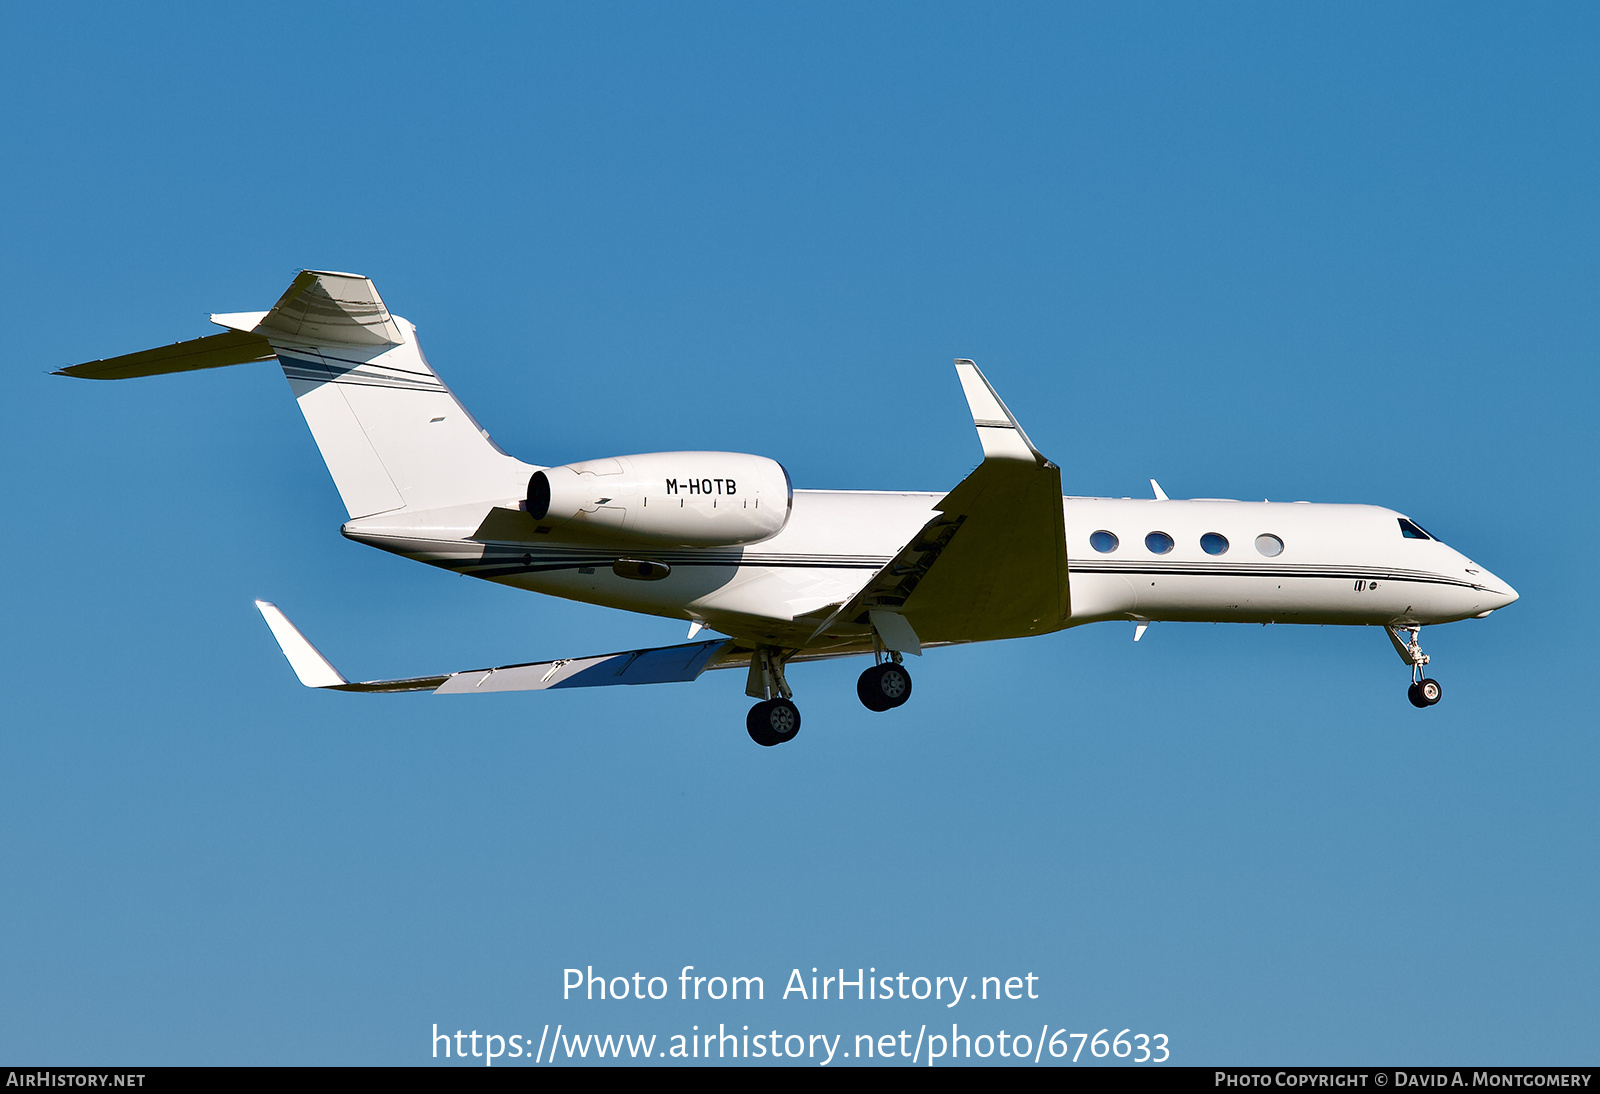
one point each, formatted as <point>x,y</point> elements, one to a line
<point>1424,693</point>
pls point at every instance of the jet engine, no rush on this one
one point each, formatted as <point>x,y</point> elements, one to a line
<point>679,499</point>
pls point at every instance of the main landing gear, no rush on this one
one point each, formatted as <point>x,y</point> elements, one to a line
<point>1423,691</point>
<point>884,686</point>
<point>772,722</point>
<point>775,720</point>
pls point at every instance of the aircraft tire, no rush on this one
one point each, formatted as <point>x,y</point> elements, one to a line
<point>1429,692</point>
<point>755,723</point>
<point>884,687</point>
<point>773,722</point>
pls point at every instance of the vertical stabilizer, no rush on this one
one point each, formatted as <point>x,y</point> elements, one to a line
<point>393,436</point>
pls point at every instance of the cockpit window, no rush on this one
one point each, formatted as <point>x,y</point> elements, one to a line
<point>1412,531</point>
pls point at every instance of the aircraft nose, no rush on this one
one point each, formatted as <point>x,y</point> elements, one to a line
<point>1497,593</point>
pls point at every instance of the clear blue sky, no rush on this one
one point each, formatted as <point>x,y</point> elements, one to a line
<point>1340,253</point>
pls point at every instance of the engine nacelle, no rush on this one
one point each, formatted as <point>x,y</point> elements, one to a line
<point>678,499</point>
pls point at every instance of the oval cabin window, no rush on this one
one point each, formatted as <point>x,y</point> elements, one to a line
<point>1103,541</point>
<point>1269,545</point>
<point>1159,543</point>
<point>1214,543</point>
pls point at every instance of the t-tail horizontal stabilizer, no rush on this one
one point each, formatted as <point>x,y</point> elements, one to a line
<point>393,436</point>
<point>663,665</point>
<point>320,307</point>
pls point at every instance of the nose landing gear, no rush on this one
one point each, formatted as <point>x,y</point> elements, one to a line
<point>1423,692</point>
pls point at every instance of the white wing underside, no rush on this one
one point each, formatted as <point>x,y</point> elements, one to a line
<point>663,665</point>
<point>658,665</point>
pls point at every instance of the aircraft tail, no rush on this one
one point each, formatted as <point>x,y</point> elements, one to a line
<point>392,434</point>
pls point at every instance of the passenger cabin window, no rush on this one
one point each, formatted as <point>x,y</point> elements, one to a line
<point>1103,541</point>
<point>1159,543</point>
<point>1269,545</point>
<point>1214,543</point>
<point>1412,531</point>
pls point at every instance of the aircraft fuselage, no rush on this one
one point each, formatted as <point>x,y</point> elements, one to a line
<point>1334,564</point>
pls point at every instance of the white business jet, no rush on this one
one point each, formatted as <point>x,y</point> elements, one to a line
<point>723,541</point>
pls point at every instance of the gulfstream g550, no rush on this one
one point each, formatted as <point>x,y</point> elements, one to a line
<point>723,541</point>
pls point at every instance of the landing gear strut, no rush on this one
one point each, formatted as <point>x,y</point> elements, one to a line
<point>775,720</point>
<point>1423,691</point>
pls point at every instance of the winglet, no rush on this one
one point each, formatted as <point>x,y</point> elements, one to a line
<point>312,668</point>
<point>1002,438</point>
<point>1161,495</point>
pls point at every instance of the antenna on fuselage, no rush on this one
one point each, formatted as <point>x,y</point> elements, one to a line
<point>1161,495</point>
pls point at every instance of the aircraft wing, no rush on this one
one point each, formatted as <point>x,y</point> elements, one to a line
<point>663,665</point>
<point>993,563</point>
